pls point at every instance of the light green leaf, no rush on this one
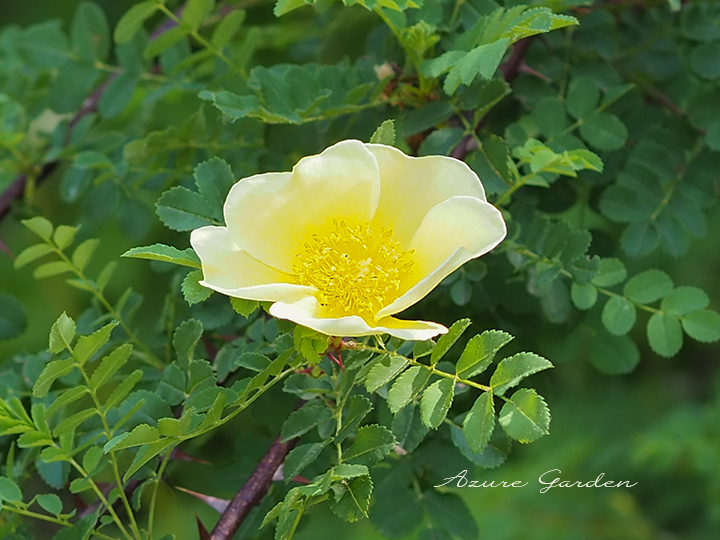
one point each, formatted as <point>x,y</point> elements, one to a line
<point>55,369</point>
<point>50,503</point>
<point>648,286</point>
<point>84,252</point>
<point>702,325</point>
<point>92,458</point>
<point>683,300</point>
<point>385,134</point>
<point>512,370</point>
<point>228,27</point>
<point>446,341</point>
<point>40,226</point>
<point>131,22</point>
<point>192,291</point>
<point>9,491</point>
<point>52,269</point>
<point>87,346</point>
<point>31,253</point>
<point>436,401</point>
<point>619,315</point>
<point>406,387</point>
<point>385,370</point>
<point>185,339</point>
<point>244,307</point>
<point>183,210</point>
<point>583,296</point>
<point>664,334</point>
<point>110,365</point>
<point>479,422</point>
<point>525,417</point>
<point>480,351</point>
<point>142,434</point>
<point>64,235</point>
<point>161,252</point>
<point>195,11</point>
<point>123,389</point>
<point>69,396</point>
<point>372,443</point>
<point>214,178</point>
<point>611,272</point>
<point>71,422</point>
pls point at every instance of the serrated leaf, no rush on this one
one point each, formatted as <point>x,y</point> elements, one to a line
<point>214,178</point>
<point>244,307</point>
<point>449,513</point>
<point>9,491</point>
<point>87,346</point>
<point>385,134</point>
<point>352,498</point>
<point>372,443</point>
<point>142,434</point>
<point>185,338</point>
<point>619,315</point>
<point>480,351</point>
<point>161,252</point>
<point>385,370</point>
<point>702,325</point>
<point>408,428</point>
<point>110,365</point>
<point>69,396</point>
<point>146,453</point>
<point>480,422</point>
<point>446,341</point>
<point>684,300</point>
<point>525,417</point>
<point>71,422</point>
<point>604,131</point>
<point>406,387</point>
<point>357,410</point>
<point>664,334</point>
<point>299,458</point>
<point>55,369</point>
<point>183,210</point>
<point>192,291</point>
<point>648,286</point>
<point>50,503</point>
<point>303,420</point>
<point>436,401</point>
<point>512,370</point>
<point>123,389</point>
<point>611,272</point>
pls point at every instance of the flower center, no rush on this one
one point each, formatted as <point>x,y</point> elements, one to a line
<point>356,270</point>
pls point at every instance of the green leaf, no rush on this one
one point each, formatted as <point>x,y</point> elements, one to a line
<point>87,346</point>
<point>192,291</point>
<point>583,96</point>
<point>683,300</point>
<point>358,408</point>
<point>52,269</point>
<point>92,159</point>
<point>244,307</point>
<point>92,458</point>
<point>479,422</point>
<point>31,254</point>
<point>214,178</point>
<point>385,134</point>
<point>525,417</point>
<point>583,296</point>
<point>480,352</point>
<point>550,117</point>
<point>183,210</point>
<point>385,370</point>
<point>408,428</point>
<point>71,422</point>
<point>436,401</point>
<point>252,361</point>
<point>123,389</point>
<point>55,369</point>
<point>84,252</point>
<point>512,370</point>
<point>299,458</point>
<point>131,22</point>
<point>664,334</point>
<point>195,11</point>
<point>118,95</point>
<point>90,33</point>
<point>50,503</point>
<point>406,387</point>
<point>185,339</point>
<point>619,315</point>
<point>704,60</point>
<point>441,141</point>
<point>110,365</point>
<point>40,226</point>
<point>228,27</point>
<point>604,131</point>
<point>13,317</point>
<point>352,498</point>
<point>105,275</point>
<point>611,272</point>
<point>449,513</point>
<point>372,443</point>
<point>648,286</point>
<point>702,325</point>
<point>142,434</point>
<point>9,491</point>
<point>146,453</point>
<point>446,341</point>
<point>67,397</point>
<point>64,235</point>
<point>161,252</point>
<point>614,355</point>
<point>303,420</point>
<point>640,239</point>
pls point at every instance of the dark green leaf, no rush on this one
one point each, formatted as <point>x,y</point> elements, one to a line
<point>479,422</point>
<point>110,365</point>
<point>683,300</point>
<point>446,341</point>
<point>619,315</point>
<point>50,503</point>
<point>664,334</point>
<point>480,351</point>
<point>406,387</point>
<point>604,131</point>
<point>512,370</point>
<point>614,355</point>
<point>183,210</point>
<point>436,401</point>
<point>299,458</point>
<point>702,325</point>
<point>303,420</point>
<point>357,410</point>
<point>385,370</point>
<point>13,317</point>
<point>9,491</point>
<point>611,272</point>
<point>131,22</point>
<point>449,512</point>
<point>352,498</point>
<point>583,296</point>
<point>372,443</point>
<point>648,286</point>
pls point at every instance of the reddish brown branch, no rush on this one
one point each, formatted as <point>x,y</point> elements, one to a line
<point>253,491</point>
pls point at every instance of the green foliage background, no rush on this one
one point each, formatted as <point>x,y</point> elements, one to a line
<point>634,394</point>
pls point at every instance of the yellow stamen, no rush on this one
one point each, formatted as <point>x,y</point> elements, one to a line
<point>356,270</point>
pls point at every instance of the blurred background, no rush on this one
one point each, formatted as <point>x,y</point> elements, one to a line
<point>658,427</point>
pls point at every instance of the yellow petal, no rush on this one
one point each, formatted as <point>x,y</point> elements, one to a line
<point>229,270</point>
<point>271,216</point>
<point>411,186</point>
<point>452,233</point>
<point>308,312</point>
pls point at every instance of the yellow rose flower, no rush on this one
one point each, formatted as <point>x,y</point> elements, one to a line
<point>349,238</point>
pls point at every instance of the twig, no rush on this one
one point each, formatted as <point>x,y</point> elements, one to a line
<point>253,491</point>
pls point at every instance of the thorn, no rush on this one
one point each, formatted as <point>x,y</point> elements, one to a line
<point>204,534</point>
<point>179,455</point>
<point>213,502</point>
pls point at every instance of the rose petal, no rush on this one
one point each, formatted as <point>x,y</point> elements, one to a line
<point>272,215</point>
<point>229,270</point>
<point>452,233</point>
<point>308,312</point>
<point>410,187</point>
